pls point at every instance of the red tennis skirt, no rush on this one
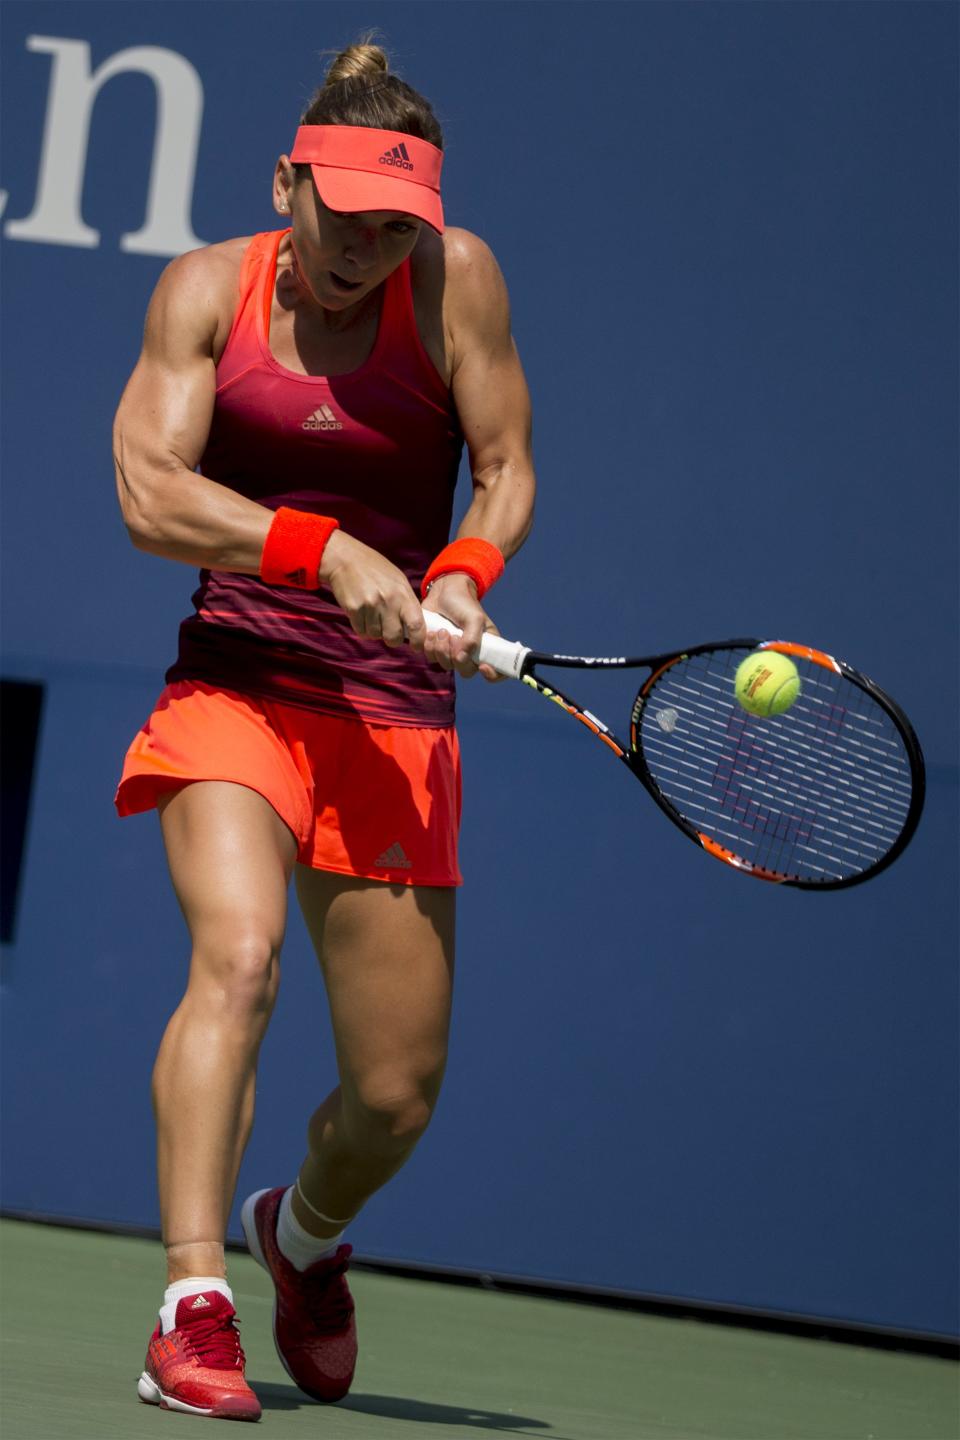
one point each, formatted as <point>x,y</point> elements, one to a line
<point>381,802</point>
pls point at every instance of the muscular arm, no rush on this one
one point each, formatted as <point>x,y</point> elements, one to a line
<point>161,430</point>
<point>492,400</point>
<point>493,404</point>
<point>162,424</point>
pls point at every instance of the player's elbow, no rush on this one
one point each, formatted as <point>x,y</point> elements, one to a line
<point>138,508</point>
<point>141,536</point>
<point>144,527</point>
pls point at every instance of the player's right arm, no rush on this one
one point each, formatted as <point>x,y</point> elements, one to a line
<point>161,430</point>
<point>163,422</point>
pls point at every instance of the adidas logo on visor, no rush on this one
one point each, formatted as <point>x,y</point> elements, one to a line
<point>397,156</point>
<point>322,419</point>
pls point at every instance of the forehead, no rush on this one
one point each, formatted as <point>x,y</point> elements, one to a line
<point>376,217</point>
<point>372,218</point>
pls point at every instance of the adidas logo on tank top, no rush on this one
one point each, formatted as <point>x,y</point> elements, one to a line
<point>322,419</point>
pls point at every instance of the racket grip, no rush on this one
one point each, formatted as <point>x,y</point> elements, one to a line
<point>504,656</point>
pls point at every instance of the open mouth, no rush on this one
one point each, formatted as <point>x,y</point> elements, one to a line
<point>346,287</point>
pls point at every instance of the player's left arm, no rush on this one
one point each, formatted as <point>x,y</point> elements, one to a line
<point>493,404</point>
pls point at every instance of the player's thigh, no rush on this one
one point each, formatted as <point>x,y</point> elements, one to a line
<point>387,954</point>
<point>230,858</point>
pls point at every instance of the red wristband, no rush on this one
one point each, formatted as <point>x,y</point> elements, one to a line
<point>294,548</point>
<point>479,559</point>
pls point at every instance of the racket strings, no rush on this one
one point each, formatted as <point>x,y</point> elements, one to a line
<point>820,792</point>
<point>890,792</point>
<point>823,726</point>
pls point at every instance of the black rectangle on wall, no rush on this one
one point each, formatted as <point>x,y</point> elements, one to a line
<point>21,704</point>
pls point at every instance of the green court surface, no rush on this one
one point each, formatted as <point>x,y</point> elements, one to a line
<point>443,1361</point>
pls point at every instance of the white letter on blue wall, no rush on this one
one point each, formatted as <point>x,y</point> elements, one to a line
<point>55,218</point>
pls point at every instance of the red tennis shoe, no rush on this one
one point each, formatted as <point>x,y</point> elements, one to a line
<point>313,1323</point>
<point>197,1367</point>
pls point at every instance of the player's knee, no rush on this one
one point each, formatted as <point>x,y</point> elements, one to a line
<point>240,974</point>
<point>386,1118</point>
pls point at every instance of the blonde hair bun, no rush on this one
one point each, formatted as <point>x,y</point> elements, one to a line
<point>360,89</point>
<point>361,61</point>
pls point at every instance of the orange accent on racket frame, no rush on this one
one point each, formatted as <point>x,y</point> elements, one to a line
<point>729,857</point>
<point>803,652</point>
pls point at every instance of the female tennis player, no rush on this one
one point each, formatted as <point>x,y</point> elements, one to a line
<point>294,427</point>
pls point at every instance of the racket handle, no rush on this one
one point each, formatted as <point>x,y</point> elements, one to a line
<point>504,656</point>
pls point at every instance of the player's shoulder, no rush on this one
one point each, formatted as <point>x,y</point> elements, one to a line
<point>458,257</point>
<point>196,293</point>
<point>476,304</point>
<point>206,272</point>
<point>469,261</point>
<point>461,270</point>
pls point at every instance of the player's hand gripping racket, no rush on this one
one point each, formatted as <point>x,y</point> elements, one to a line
<point>824,795</point>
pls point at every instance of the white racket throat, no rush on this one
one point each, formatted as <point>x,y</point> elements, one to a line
<point>504,656</point>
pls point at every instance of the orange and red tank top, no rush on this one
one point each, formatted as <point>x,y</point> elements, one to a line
<point>379,449</point>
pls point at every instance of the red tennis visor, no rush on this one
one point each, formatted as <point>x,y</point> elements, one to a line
<point>355,168</point>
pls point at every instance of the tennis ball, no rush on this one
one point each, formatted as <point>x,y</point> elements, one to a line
<point>767,683</point>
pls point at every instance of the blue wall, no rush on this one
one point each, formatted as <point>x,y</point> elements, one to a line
<point>730,236</point>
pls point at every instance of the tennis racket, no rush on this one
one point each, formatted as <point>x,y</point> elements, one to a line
<point>823,796</point>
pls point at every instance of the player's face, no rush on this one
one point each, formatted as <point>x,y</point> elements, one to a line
<point>343,257</point>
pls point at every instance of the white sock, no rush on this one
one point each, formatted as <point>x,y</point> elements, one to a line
<point>193,1285</point>
<point>300,1247</point>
